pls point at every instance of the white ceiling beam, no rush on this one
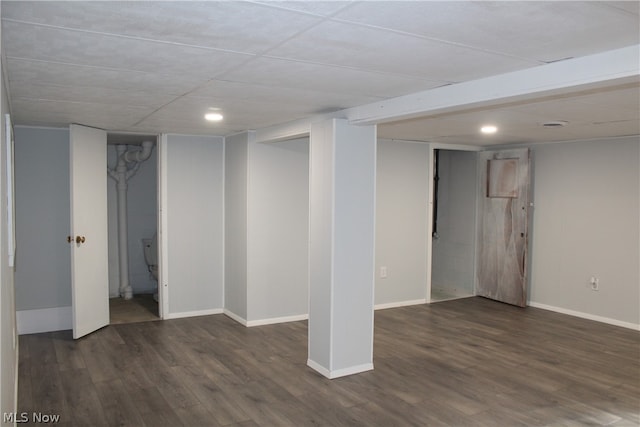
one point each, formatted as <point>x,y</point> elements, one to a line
<point>604,69</point>
<point>291,130</point>
<point>276,133</point>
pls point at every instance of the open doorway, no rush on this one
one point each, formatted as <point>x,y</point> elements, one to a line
<point>454,224</point>
<point>139,301</point>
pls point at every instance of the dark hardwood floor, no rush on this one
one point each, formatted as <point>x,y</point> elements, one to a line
<point>465,362</point>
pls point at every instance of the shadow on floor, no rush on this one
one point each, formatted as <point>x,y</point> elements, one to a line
<point>140,308</point>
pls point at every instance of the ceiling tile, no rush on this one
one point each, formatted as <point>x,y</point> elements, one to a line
<point>538,30</point>
<point>227,25</point>
<point>315,7</point>
<point>608,129</point>
<point>88,94</point>
<point>190,127</point>
<point>59,113</point>
<point>626,98</point>
<point>301,75</point>
<point>575,110</point>
<point>238,114</point>
<point>632,7</point>
<point>310,99</point>
<point>522,123</point>
<point>367,48</point>
<point>75,47</point>
<point>157,66</point>
<point>23,71</point>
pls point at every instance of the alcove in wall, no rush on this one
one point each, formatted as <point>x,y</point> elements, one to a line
<point>454,224</point>
<point>142,220</point>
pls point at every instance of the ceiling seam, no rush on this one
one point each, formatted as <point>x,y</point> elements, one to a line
<point>263,53</point>
<point>243,63</point>
<point>67,101</point>
<point>220,77</point>
<point>128,37</point>
<point>437,40</point>
<point>73,64</point>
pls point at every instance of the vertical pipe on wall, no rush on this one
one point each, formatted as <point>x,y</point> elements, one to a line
<point>123,242</point>
<point>121,174</point>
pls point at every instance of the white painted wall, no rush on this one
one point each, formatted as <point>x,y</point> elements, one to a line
<point>194,196</point>
<point>278,230</point>
<point>585,223</point>
<point>42,274</point>
<point>454,249</point>
<point>142,216</point>
<point>235,226</point>
<point>401,222</point>
<point>8,329</point>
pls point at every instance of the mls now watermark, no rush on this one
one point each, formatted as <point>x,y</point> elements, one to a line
<point>30,417</point>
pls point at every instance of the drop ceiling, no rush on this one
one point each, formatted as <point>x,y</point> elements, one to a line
<point>152,67</point>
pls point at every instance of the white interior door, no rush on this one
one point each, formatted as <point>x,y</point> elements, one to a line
<point>88,233</point>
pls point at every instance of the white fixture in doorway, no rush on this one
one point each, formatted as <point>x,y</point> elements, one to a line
<point>121,174</point>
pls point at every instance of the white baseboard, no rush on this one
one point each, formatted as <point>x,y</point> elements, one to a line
<point>399,304</point>
<point>274,320</point>
<point>262,322</point>
<point>235,317</point>
<point>15,379</point>
<point>319,368</point>
<point>193,313</point>
<point>339,372</point>
<point>299,317</point>
<point>44,320</point>
<point>588,316</point>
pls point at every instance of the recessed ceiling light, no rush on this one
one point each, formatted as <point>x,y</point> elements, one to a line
<point>487,129</point>
<point>213,117</point>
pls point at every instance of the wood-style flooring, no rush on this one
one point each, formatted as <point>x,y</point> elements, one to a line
<point>140,308</point>
<point>467,362</point>
<point>439,295</point>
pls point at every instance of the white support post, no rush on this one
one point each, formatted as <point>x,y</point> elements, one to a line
<point>341,248</point>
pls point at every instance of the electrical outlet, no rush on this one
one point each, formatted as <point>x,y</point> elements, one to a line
<point>383,272</point>
<point>595,283</point>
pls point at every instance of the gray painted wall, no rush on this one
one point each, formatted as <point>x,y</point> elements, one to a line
<point>235,226</point>
<point>454,249</point>
<point>278,229</point>
<point>587,185</point>
<point>142,204</point>
<point>401,221</point>
<point>194,194</point>
<point>42,276</point>
<point>585,223</point>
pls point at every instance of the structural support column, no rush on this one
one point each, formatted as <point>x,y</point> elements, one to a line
<point>341,248</point>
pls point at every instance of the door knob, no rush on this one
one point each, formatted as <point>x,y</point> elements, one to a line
<point>69,239</point>
<point>80,239</point>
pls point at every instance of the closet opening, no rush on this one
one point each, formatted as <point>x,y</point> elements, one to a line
<point>454,224</point>
<point>132,222</point>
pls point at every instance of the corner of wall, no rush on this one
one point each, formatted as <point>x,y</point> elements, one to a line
<point>8,326</point>
<point>230,314</point>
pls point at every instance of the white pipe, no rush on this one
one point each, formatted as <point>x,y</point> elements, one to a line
<point>121,175</point>
<point>139,155</point>
<point>123,244</point>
